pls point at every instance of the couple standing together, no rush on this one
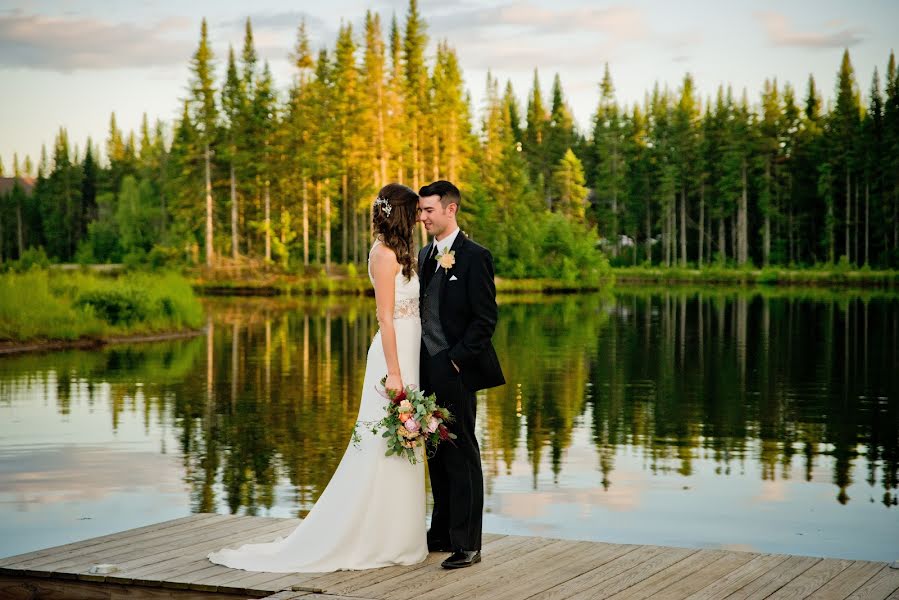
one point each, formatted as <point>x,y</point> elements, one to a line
<point>436,321</point>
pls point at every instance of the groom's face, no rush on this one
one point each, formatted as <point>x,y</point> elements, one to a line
<point>432,213</point>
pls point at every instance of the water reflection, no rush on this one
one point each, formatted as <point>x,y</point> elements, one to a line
<point>633,417</point>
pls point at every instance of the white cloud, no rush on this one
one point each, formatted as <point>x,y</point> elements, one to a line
<point>781,33</point>
<point>69,43</point>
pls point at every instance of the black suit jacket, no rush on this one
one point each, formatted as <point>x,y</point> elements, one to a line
<point>468,312</point>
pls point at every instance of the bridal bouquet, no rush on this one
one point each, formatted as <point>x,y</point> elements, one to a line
<point>412,420</point>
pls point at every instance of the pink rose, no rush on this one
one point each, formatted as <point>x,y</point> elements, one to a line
<point>432,425</point>
<point>411,425</point>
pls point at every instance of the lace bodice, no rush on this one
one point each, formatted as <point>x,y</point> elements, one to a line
<point>405,294</point>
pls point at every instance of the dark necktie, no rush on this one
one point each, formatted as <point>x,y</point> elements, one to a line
<point>430,264</point>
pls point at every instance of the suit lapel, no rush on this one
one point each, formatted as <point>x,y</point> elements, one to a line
<point>457,246</point>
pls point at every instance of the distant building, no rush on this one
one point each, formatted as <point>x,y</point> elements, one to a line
<point>7,184</point>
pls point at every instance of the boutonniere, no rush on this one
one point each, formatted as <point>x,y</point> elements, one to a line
<point>446,259</point>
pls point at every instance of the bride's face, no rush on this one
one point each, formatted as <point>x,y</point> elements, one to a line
<point>434,216</point>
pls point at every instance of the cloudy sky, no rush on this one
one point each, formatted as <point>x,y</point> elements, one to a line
<point>67,63</point>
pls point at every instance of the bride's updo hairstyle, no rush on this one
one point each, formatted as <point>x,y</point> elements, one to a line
<point>393,218</point>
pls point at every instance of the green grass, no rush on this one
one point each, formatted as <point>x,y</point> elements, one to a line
<point>836,275</point>
<point>286,285</point>
<point>43,305</point>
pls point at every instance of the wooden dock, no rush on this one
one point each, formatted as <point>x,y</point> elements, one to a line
<point>167,560</point>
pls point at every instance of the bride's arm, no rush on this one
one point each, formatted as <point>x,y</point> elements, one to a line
<point>384,267</point>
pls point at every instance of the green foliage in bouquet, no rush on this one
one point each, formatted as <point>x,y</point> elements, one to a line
<point>412,420</point>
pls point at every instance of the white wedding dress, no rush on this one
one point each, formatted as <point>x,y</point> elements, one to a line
<point>372,513</point>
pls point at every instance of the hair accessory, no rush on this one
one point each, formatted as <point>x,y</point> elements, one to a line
<point>384,203</point>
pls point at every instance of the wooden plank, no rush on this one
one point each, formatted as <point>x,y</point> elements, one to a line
<point>739,577</point>
<point>153,565</point>
<point>433,577</point>
<point>770,582</point>
<point>29,588</point>
<point>127,557</point>
<point>812,579</point>
<point>676,583</point>
<point>19,558</point>
<point>117,553</point>
<point>561,569</point>
<point>122,542</point>
<point>884,584</point>
<point>656,582</point>
<point>353,580</point>
<point>596,577</point>
<point>336,583</point>
<point>316,581</point>
<point>852,578</point>
<point>200,567</point>
<point>499,574</point>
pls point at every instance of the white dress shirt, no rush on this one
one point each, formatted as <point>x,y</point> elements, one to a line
<point>445,244</point>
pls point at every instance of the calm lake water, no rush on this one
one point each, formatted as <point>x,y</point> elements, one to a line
<point>764,421</point>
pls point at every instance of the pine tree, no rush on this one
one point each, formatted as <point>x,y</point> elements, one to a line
<point>843,131</point>
<point>88,206</point>
<point>299,130</point>
<point>608,159</point>
<point>568,180</point>
<point>205,119</point>
<point>346,104</point>
<point>560,136</point>
<point>534,145</point>
<point>265,123</point>
<point>416,87</point>
<point>452,116</point>
<point>234,108</point>
<point>891,162</point>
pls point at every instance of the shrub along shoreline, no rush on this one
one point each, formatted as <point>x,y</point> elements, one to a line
<point>41,309</point>
<point>829,275</point>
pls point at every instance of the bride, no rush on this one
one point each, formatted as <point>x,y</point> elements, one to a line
<point>372,513</point>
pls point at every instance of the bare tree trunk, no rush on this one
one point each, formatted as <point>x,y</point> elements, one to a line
<point>235,251</point>
<point>305,222</point>
<point>722,241</point>
<point>649,235</point>
<point>382,149</point>
<point>666,249</point>
<point>744,217</point>
<point>792,251</point>
<point>701,221</point>
<point>867,226</point>
<point>327,228</point>
<point>210,256</point>
<point>320,234</point>
<point>766,242</point>
<point>683,226</point>
<point>344,217</point>
<point>355,237</point>
<point>452,147</point>
<point>856,220</point>
<point>416,181</point>
<point>848,210</point>
<point>268,223</point>
<point>20,228</point>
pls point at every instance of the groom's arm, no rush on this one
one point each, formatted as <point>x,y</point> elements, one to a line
<point>482,296</point>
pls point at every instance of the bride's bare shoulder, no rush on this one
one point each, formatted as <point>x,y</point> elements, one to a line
<point>383,257</point>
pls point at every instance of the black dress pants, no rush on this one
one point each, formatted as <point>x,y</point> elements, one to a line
<point>457,480</point>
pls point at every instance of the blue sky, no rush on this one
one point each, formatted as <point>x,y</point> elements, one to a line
<point>71,64</point>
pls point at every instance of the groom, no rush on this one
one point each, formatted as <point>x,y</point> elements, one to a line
<point>458,316</point>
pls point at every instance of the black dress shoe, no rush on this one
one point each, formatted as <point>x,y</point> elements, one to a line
<point>462,558</point>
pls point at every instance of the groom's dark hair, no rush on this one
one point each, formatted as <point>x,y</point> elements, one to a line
<point>449,194</point>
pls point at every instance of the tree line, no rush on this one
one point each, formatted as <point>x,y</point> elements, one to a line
<point>249,173</point>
